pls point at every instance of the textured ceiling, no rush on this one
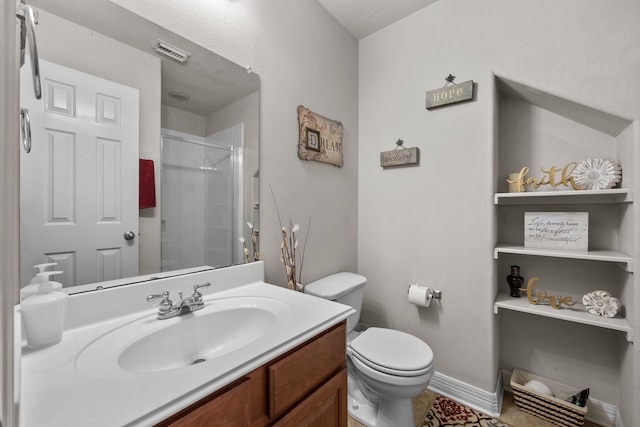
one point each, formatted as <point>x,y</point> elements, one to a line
<point>209,90</point>
<point>365,17</point>
<point>211,81</point>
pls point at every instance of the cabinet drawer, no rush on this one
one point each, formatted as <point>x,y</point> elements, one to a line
<point>326,406</point>
<point>231,408</point>
<point>301,371</point>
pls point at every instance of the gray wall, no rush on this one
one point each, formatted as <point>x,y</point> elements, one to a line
<point>436,223</point>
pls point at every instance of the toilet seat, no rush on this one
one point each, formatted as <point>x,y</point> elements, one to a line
<point>405,382</point>
<point>392,352</point>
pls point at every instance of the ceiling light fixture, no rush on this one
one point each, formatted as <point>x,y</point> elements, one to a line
<point>179,96</point>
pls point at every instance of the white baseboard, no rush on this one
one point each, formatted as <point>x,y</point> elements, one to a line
<point>602,413</point>
<point>473,397</point>
<point>618,419</point>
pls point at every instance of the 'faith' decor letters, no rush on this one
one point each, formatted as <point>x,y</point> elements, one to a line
<point>549,178</point>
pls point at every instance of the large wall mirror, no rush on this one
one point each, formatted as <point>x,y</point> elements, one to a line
<point>131,111</point>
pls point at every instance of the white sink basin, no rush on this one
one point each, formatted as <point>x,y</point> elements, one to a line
<point>149,345</point>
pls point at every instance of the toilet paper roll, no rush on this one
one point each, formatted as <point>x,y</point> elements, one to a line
<point>420,295</point>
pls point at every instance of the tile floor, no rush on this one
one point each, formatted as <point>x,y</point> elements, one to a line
<point>510,414</point>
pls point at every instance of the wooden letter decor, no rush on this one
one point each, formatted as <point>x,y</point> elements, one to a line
<point>550,177</point>
<point>450,95</point>
<point>541,296</point>
<point>320,139</point>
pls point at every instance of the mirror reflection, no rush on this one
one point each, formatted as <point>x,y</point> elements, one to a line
<point>145,149</point>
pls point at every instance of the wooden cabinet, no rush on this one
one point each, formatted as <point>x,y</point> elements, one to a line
<point>298,373</point>
<point>306,386</point>
<point>325,407</point>
<point>228,408</point>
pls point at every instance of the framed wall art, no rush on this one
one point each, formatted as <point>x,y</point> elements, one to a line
<point>320,138</point>
<point>313,139</point>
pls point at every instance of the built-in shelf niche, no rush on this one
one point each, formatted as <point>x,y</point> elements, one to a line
<point>540,130</point>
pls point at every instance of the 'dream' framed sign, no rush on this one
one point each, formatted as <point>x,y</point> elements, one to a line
<point>320,138</point>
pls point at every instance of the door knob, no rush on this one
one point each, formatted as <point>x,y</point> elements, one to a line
<point>129,235</point>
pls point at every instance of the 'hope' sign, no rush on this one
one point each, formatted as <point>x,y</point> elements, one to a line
<point>450,94</point>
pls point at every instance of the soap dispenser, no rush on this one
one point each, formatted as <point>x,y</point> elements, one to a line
<point>42,277</point>
<point>43,316</point>
<point>41,268</point>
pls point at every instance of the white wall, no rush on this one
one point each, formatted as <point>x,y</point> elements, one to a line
<point>435,222</point>
<point>303,56</point>
<point>183,121</point>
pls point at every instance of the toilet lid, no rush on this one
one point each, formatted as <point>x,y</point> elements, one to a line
<point>393,352</point>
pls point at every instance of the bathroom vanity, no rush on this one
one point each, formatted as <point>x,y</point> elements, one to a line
<point>255,355</point>
<point>307,385</point>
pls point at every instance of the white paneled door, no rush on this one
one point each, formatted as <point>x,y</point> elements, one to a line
<point>79,183</point>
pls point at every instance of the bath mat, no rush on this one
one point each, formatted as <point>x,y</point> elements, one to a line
<point>447,413</point>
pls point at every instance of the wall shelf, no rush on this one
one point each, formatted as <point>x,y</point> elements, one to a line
<point>576,314</point>
<point>621,258</point>
<point>615,195</point>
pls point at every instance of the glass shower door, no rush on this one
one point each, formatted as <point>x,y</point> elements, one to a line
<point>197,204</point>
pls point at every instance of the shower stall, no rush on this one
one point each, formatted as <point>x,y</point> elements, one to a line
<point>201,199</point>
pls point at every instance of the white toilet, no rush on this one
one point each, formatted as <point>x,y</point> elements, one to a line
<point>386,368</point>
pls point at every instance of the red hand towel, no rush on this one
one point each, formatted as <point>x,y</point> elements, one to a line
<point>147,194</point>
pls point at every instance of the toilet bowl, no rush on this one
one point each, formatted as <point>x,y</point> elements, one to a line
<point>386,368</point>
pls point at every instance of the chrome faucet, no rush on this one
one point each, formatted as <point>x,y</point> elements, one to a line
<point>168,309</point>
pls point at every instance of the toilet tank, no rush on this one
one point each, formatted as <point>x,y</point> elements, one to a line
<point>345,288</point>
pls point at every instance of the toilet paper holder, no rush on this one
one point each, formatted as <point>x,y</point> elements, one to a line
<point>435,294</point>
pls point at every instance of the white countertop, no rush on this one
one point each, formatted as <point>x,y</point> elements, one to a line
<point>55,392</point>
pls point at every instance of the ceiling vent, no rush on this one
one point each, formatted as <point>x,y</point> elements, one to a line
<point>171,51</point>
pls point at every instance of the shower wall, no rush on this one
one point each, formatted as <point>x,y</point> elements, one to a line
<point>234,137</point>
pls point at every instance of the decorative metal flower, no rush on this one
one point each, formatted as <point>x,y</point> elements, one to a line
<point>597,174</point>
<point>601,303</point>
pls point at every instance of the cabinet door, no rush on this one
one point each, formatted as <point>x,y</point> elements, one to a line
<point>327,406</point>
<point>300,372</point>
<point>231,408</point>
